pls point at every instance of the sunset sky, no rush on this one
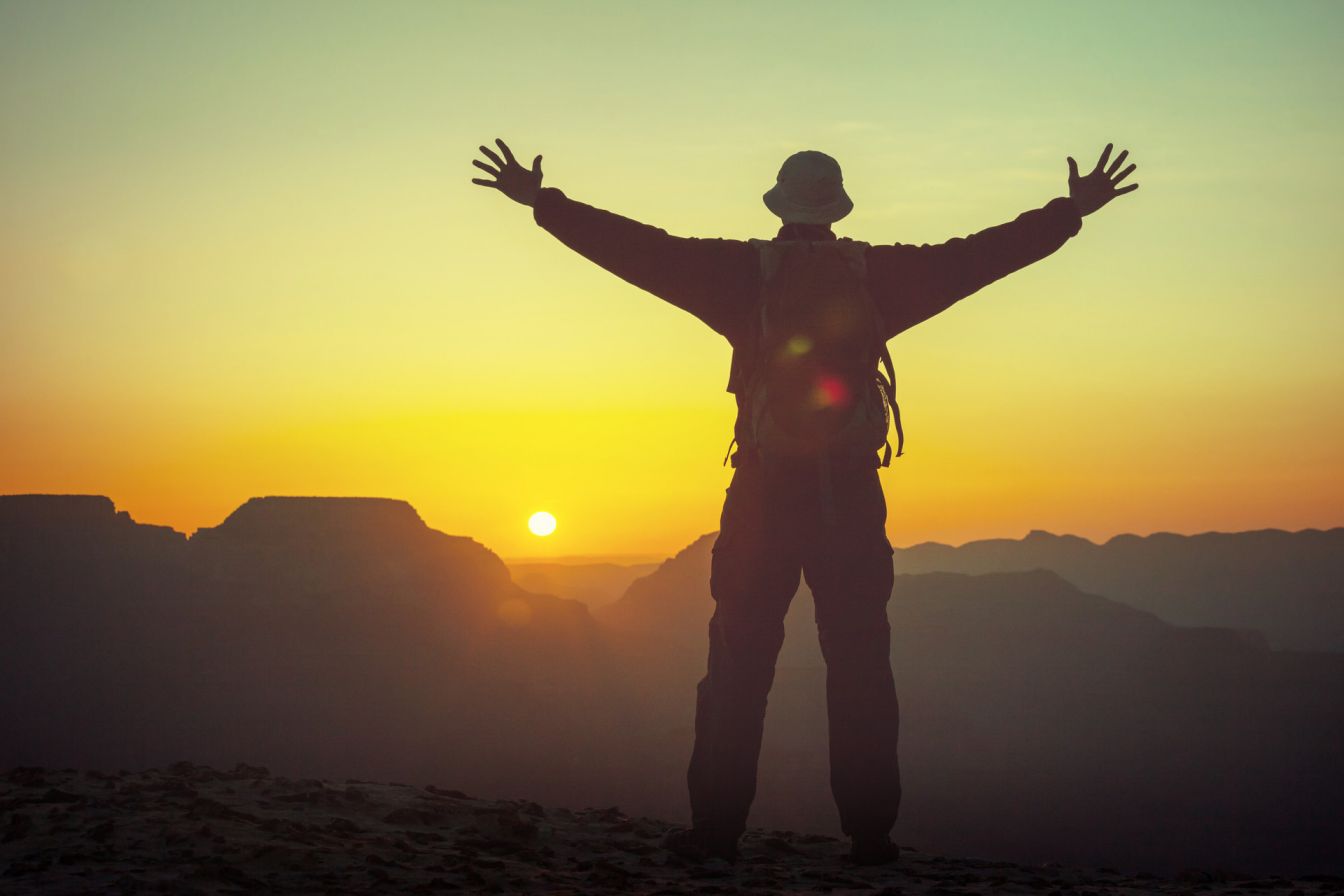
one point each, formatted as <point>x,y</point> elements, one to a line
<point>241,254</point>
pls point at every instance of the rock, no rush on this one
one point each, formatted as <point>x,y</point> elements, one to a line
<point>20,826</point>
<point>59,796</point>
<point>340,825</point>
<point>407,815</point>
<point>27,776</point>
<point>455,794</point>
<point>204,807</point>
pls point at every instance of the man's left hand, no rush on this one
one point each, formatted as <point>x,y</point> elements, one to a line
<point>1098,187</point>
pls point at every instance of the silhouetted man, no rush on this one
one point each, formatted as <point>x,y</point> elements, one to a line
<point>781,520</point>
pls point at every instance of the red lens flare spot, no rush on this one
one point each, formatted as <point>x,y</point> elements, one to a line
<point>829,391</point>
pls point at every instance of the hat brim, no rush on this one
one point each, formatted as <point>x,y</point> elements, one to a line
<point>781,205</point>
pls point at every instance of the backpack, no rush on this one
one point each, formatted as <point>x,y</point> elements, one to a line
<point>812,385</point>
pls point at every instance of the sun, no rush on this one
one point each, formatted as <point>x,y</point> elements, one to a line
<point>541,523</point>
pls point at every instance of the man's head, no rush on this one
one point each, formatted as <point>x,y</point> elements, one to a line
<point>809,189</point>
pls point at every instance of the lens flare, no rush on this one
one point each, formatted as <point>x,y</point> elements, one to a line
<point>829,391</point>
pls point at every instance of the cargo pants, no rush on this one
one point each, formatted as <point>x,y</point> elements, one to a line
<point>773,530</point>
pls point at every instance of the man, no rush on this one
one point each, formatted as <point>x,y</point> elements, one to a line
<point>780,521</point>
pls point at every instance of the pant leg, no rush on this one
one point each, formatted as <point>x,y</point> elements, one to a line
<point>850,574</point>
<point>753,579</point>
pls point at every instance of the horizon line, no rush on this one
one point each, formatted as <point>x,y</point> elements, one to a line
<point>638,558</point>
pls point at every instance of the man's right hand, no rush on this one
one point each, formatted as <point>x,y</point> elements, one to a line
<point>511,179</point>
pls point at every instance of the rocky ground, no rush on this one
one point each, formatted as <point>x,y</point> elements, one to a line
<point>193,829</point>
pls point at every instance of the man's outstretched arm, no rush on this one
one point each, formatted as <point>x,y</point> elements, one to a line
<point>707,277</point>
<point>913,283</point>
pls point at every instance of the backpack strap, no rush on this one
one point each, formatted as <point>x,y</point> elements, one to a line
<point>886,377</point>
<point>744,353</point>
<point>771,253</point>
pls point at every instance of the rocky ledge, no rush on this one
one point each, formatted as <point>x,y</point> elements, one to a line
<point>193,829</point>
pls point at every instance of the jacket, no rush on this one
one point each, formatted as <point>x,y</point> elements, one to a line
<point>719,280</point>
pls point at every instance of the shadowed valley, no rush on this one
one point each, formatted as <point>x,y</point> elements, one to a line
<point>336,637</point>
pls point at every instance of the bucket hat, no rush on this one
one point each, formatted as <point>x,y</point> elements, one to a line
<point>809,189</point>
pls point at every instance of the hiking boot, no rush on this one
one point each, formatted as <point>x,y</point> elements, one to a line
<point>877,850</point>
<point>697,846</point>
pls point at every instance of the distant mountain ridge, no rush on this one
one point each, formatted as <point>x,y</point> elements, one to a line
<point>319,516</point>
<point>595,583</point>
<point>1288,585</point>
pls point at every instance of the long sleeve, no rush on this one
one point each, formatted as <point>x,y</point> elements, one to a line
<point>713,279</point>
<point>913,283</point>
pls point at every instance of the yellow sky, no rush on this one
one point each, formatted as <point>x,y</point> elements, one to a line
<point>240,254</point>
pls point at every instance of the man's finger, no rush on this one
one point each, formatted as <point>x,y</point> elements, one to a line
<point>1124,174</point>
<point>1126,189</point>
<point>504,147</point>
<point>536,165</point>
<point>1105,154</point>
<point>1073,169</point>
<point>494,158</point>
<point>1119,160</point>
<point>484,167</point>
<point>484,183</point>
